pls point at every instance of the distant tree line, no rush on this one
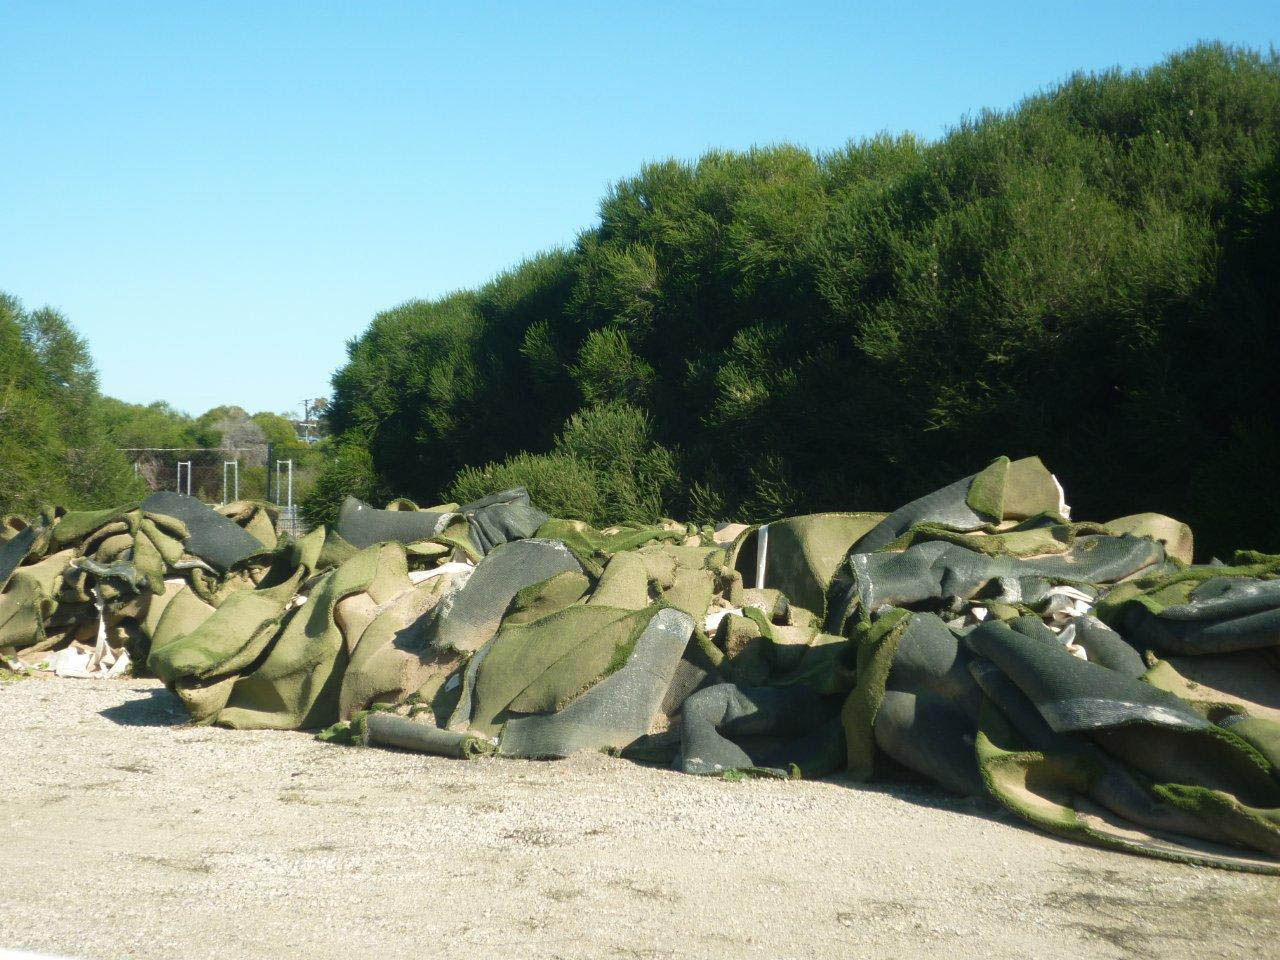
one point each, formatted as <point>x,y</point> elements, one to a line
<point>62,441</point>
<point>1091,276</point>
<point>159,425</point>
<point>222,433</point>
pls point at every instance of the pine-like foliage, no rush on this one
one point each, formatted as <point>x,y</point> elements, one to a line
<point>1091,276</point>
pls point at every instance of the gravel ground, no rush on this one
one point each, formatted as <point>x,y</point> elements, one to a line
<point>128,834</point>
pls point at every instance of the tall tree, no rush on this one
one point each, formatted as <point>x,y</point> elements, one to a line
<point>55,443</point>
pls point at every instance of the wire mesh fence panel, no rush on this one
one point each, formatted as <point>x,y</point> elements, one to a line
<point>214,476</point>
<point>223,475</point>
<point>290,522</point>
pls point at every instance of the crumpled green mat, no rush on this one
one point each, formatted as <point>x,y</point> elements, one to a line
<point>211,536</point>
<point>485,524</point>
<point>1086,675</point>
<point>773,731</point>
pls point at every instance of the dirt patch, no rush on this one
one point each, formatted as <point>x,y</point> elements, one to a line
<point>128,833</point>
<point>1144,917</point>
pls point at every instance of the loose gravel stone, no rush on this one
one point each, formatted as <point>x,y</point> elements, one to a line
<point>128,833</point>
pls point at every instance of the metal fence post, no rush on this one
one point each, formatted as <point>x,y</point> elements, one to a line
<point>287,517</point>
<point>235,475</point>
<point>273,490</point>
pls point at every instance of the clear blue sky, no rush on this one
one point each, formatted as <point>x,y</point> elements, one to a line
<point>219,198</point>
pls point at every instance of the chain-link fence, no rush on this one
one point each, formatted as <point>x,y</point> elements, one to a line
<point>222,476</point>
<point>214,476</point>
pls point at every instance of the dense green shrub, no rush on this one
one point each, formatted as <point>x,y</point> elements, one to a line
<point>1090,276</point>
<point>348,471</point>
<point>605,465</point>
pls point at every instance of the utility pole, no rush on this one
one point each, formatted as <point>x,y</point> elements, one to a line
<point>309,409</point>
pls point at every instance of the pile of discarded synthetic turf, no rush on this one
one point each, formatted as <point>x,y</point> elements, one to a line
<point>1086,675</point>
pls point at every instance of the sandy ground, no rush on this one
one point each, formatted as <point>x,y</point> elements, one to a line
<point>129,834</point>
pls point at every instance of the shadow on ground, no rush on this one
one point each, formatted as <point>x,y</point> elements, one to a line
<point>925,794</point>
<point>159,708</point>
